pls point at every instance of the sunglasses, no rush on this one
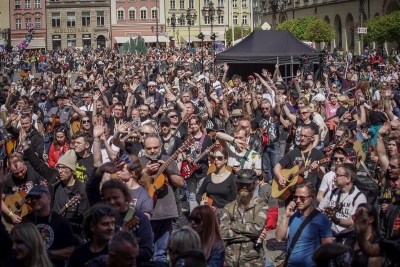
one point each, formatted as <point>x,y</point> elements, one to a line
<point>128,160</point>
<point>196,220</point>
<point>265,108</point>
<point>391,166</point>
<point>173,116</point>
<point>143,133</point>
<point>86,121</point>
<point>217,157</point>
<point>341,159</point>
<point>106,212</point>
<point>302,198</point>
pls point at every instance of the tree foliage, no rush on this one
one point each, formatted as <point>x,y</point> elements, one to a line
<point>319,31</point>
<point>383,28</point>
<point>287,25</point>
<point>238,33</point>
<point>300,28</point>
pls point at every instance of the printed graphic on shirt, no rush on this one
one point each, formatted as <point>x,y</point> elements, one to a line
<point>270,126</point>
<point>26,187</point>
<point>80,172</point>
<point>47,234</point>
<point>396,225</point>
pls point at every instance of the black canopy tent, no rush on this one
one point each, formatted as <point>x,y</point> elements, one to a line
<point>263,49</point>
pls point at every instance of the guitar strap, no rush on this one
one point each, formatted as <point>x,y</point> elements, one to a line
<point>129,214</point>
<point>244,159</point>
<point>203,136</point>
<point>296,237</point>
<point>170,145</point>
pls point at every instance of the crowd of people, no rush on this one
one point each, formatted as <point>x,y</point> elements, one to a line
<point>169,159</point>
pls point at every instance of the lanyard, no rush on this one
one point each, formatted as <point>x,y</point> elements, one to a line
<point>306,161</point>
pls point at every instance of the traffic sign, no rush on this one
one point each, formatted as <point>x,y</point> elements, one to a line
<point>361,30</point>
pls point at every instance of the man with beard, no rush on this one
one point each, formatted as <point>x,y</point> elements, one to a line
<point>242,222</point>
<point>165,209</point>
<point>132,147</point>
<point>63,111</point>
<point>99,227</point>
<point>315,233</point>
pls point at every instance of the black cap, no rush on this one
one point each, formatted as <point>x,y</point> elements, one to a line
<point>246,176</point>
<point>37,190</point>
<point>294,94</point>
<point>165,120</point>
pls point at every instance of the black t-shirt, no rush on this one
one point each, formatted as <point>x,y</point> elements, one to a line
<point>30,179</point>
<point>270,125</point>
<point>195,150</point>
<point>166,143</point>
<point>82,255</point>
<point>299,125</point>
<point>84,167</point>
<point>377,117</point>
<point>56,232</point>
<point>295,157</point>
<point>351,125</point>
<point>134,148</point>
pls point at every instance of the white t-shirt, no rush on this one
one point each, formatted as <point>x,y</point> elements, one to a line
<point>327,182</point>
<point>347,210</point>
<point>253,160</point>
<point>104,153</point>
<point>87,107</point>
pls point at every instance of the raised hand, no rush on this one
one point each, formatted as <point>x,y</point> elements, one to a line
<point>22,136</point>
<point>225,67</point>
<point>113,166</point>
<point>124,127</point>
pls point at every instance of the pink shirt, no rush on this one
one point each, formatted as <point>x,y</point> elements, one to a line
<point>330,110</point>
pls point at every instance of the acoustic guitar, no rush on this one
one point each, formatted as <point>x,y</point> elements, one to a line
<point>330,211</point>
<point>52,125</point>
<point>132,224</point>
<point>292,177</point>
<point>159,180</point>
<point>18,204</point>
<point>184,119</point>
<point>74,200</point>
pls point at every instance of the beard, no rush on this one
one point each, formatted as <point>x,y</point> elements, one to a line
<point>244,197</point>
<point>153,157</point>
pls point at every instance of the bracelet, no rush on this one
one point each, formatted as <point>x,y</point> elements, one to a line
<point>10,213</point>
<point>97,140</point>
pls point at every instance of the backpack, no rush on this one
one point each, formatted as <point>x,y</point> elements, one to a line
<point>337,189</point>
<point>368,187</point>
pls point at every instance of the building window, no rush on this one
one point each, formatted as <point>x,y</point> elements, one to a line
<point>172,4</point>
<point>56,42</point>
<point>244,19</point>
<point>18,24</point>
<point>143,14</point>
<point>55,20</point>
<point>244,3</point>
<point>100,18</point>
<point>17,4</point>
<point>181,22</point>
<point>37,3</point>
<point>220,3</point>
<point>181,4</point>
<point>220,19</point>
<point>132,14</point>
<point>206,3</point>
<point>207,20</point>
<point>85,18</point>
<point>154,14</point>
<point>71,40</point>
<point>28,20</point>
<point>235,21</point>
<point>87,40</point>
<point>234,3</point>
<point>27,4</point>
<point>120,14</point>
<point>38,23</point>
<point>191,4</point>
<point>70,19</point>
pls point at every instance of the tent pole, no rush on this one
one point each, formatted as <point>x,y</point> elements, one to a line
<point>291,66</point>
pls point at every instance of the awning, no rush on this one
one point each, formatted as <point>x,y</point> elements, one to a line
<point>34,44</point>
<point>195,39</point>
<point>153,39</point>
<point>123,39</point>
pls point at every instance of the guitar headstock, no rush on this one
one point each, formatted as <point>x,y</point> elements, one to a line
<point>75,199</point>
<point>330,211</point>
<point>186,117</point>
<point>44,183</point>
<point>132,223</point>
<point>325,160</point>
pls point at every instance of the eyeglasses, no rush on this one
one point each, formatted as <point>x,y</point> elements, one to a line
<point>217,157</point>
<point>338,175</point>
<point>144,110</point>
<point>151,86</point>
<point>196,220</point>
<point>305,136</point>
<point>85,121</point>
<point>61,167</point>
<point>173,116</point>
<point>302,198</point>
<point>334,86</point>
<point>391,166</point>
<point>85,97</point>
<point>143,133</point>
<point>341,159</point>
<point>265,108</point>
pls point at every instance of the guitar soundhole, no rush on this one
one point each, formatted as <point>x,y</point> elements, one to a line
<point>17,206</point>
<point>290,178</point>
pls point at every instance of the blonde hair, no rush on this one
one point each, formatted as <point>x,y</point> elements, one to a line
<point>30,236</point>
<point>184,239</point>
<point>344,99</point>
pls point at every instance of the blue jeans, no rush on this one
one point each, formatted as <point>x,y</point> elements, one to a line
<point>396,111</point>
<point>161,230</point>
<point>270,158</point>
<point>192,185</point>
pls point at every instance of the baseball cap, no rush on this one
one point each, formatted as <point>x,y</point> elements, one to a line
<point>42,92</point>
<point>37,190</point>
<point>165,120</point>
<point>246,176</point>
<point>201,77</point>
<point>294,94</point>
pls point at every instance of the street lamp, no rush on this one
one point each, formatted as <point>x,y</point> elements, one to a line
<point>157,32</point>
<point>201,37</point>
<point>276,6</point>
<point>189,18</point>
<point>361,10</point>
<point>172,21</point>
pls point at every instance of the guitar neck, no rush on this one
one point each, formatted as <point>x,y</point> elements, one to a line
<point>199,157</point>
<point>305,169</point>
<point>168,162</point>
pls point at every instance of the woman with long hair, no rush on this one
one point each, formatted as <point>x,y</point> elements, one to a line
<point>130,175</point>
<point>373,235</point>
<point>333,255</point>
<point>319,120</point>
<point>28,246</point>
<point>204,221</point>
<point>219,186</point>
<point>59,145</point>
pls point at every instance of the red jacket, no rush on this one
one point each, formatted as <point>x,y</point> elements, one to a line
<point>55,153</point>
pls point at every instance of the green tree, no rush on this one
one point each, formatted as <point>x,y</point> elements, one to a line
<point>319,31</point>
<point>238,34</point>
<point>300,28</point>
<point>378,28</point>
<point>394,22</point>
<point>287,25</point>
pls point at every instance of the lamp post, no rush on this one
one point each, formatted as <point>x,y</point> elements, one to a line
<point>189,18</point>
<point>276,6</point>
<point>361,10</point>
<point>201,37</point>
<point>157,32</point>
<point>172,21</point>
